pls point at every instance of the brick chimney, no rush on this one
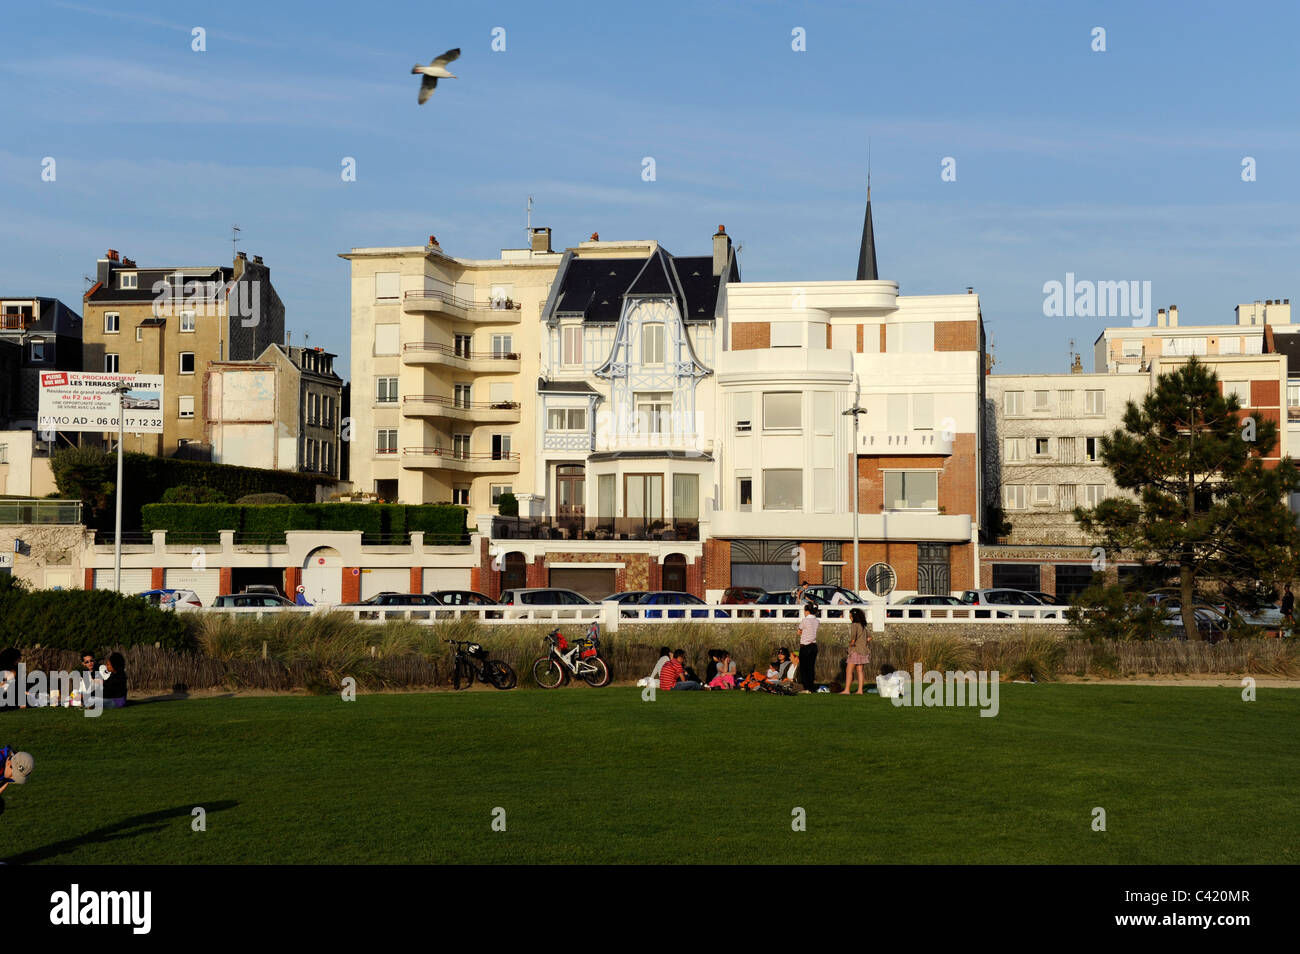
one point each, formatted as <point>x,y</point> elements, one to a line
<point>1161,321</point>
<point>1173,316</point>
<point>721,250</point>
<point>540,240</point>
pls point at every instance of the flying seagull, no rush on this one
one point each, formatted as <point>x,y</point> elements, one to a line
<point>435,70</point>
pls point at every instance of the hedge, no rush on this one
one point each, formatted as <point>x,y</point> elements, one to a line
<point>440,523</point>
<point>86,619</point>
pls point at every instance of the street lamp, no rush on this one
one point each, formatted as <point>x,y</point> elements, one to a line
<point>121,391</point>
<point>856,410</point>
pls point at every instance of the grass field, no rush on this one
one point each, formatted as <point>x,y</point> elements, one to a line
<point>1185,775</point>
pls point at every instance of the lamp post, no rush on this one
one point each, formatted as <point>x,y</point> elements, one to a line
<point>856,410</point>
<point>120,391</point>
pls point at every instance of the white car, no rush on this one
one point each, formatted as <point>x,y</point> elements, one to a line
<point>183,600</point>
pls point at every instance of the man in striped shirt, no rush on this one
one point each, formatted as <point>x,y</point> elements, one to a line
<point>673,675</point>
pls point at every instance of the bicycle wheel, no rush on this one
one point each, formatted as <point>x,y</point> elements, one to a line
<point>595,672</point>
<point>501,675</point>
<point>548,673</point>
<point>455,673</point>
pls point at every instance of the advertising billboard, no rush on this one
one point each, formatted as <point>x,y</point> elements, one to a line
<point>85,401</point>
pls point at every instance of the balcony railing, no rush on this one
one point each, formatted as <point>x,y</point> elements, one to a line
<point>15,322</point>
<point>414,297</point>
<point>428,346</point>
<point>438,400</point>
<point>592,528</point>
<point>450,453</point>
<point>40,511</point>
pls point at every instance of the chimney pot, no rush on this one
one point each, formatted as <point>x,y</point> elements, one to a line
<point>112,255</point>
<point>595,237</point>
<point>541,240</point>
<point>722,229</point>
<point>433,242</point>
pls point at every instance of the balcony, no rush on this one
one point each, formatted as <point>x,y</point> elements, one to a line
<point>427,353</point>
<point>12,322</point>
<point>592,528</point>
<point>473,412</point>
<point>903,443</point>
<point>440,458</point>
<point>440,303</point>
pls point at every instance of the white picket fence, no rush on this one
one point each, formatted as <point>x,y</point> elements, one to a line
<point>611,615</point>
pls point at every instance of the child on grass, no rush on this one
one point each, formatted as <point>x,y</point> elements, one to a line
<point>17,766</point>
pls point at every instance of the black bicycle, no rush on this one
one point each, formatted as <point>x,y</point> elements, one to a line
<point>469,660</point>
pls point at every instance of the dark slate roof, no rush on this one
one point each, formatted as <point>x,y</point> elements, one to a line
<point>565,387</point>
<point>1288,343</point>
<point>867,270</point>
<point>594,287</point>
<point>148,276</point>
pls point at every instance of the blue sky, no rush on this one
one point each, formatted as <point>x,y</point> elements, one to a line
<point>1122,165</point>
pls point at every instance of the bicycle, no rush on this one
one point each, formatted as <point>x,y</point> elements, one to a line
<point>472,661</point>
<point>565,659</point>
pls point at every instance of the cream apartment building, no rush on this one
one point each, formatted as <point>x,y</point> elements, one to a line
<point>445,356</point>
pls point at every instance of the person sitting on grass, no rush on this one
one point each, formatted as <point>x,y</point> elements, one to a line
<point>665,655</point>
<point>115,684</point>
<point>674,674</point>
<point>11,693</point>
<point>17,766</point>
<point>726,674</point>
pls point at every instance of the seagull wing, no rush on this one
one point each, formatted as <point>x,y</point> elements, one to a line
<point>447,57</point>
<point>427,87</point>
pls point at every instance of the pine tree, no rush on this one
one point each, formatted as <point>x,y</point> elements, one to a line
<point>1207,505</point>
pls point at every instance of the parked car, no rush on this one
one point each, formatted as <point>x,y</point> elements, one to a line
<point>250,600</point>
<point>186,600</point>
<point>1047,599</point>
<point>545,596</point>
<point>466,598</point>
<point>742,594</point>
<point>1212,623</point>
<point>910,606</point>
<point>1004,597</point>
<point>380,601</point>
<point>782,599</point>
<point>831,594</point>
<point>266,588</point>
<point>627,598</point>
<point>677,598</point>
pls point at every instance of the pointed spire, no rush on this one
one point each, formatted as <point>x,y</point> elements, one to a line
<point>867,254</point>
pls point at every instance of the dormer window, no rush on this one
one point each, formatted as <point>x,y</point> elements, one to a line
<point>128,280</point>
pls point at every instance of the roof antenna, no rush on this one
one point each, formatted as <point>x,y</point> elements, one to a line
<point>234,240</point>
<point>868,168</point>
<point>528,237</point>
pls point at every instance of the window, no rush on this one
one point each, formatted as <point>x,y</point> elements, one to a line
<point>823,412</point>
<point>502,345</point>
<point>605,497</point>
<point>111,320</point>
<point>187,321</point>
<point>744,408</point>
<point>652,343</point>
<point>1013,497</point>
<point>913,337</point>
<point>1065,448</point>
<point>653,412</point>
<point>460,494</point>
<point>1095,402</point>
<point>643,497</point>
<point>501,393</point>
<point>1013,403</point>
<point>186,405</point>
<point>496,490</point>
<point>1239,388</point>
<point>38,350</point>
<point>386,339</point>
<point>1091,449</point>
<point>1292,398</point>
<point>783,409</point>
<point>566,419</point>
<point>923,412</point>
<point>501,447</point>
<point>1230,345</point>
<point>1254,345</point>
<point>1042,446</point>
<point>571,336</point>
<point>911,490</point>
<point>1186,346</point>
<point>783,489</point>
<point>785,334</point>
<point>1131,348</point>
<point>386,285</point>
<point>187,362</point>
<point>460,446</point>
<point>1095,494</point>
<point>461,345</point>
<point>386,441</point>
<point>1015,448</point>
<point>329,457</point>
<point>1041,400</point>
<point>745,493</point>
<point>128,280</point>
<point>327,410</point>
<point>110,364</point>
<point>1066,401</point>
<point>385,390</point>
<point>139,333</point>
<point>1042,495</point>
<point>1066,496</point>
<point>686,497</point>
<point>460,395</point>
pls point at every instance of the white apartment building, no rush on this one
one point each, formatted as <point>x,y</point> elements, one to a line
<point>444,364</point>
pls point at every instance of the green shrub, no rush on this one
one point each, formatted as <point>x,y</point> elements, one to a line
<point>508,505</point>
<point>193,495</point>
<point>194,522</point>
<point>1109,612</point>
<point>249,499</point>
<point>80,619</point>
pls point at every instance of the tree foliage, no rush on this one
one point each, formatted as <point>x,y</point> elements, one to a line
<point>1207,504</point>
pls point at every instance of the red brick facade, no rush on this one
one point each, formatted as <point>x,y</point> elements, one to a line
<point>956,336</point>
<point>748,335</point>
<point>717,564</point>
<point>957,492</point>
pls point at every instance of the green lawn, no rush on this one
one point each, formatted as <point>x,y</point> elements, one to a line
<point>1186,775</point>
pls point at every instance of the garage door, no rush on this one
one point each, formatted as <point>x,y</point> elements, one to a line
<point>206,583</point>
<point>765,563</point>
<point>133,581</point>
<point>446,578</point>
<point>322,577</point>
<point>592,584</point>
<point>379,580</point>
